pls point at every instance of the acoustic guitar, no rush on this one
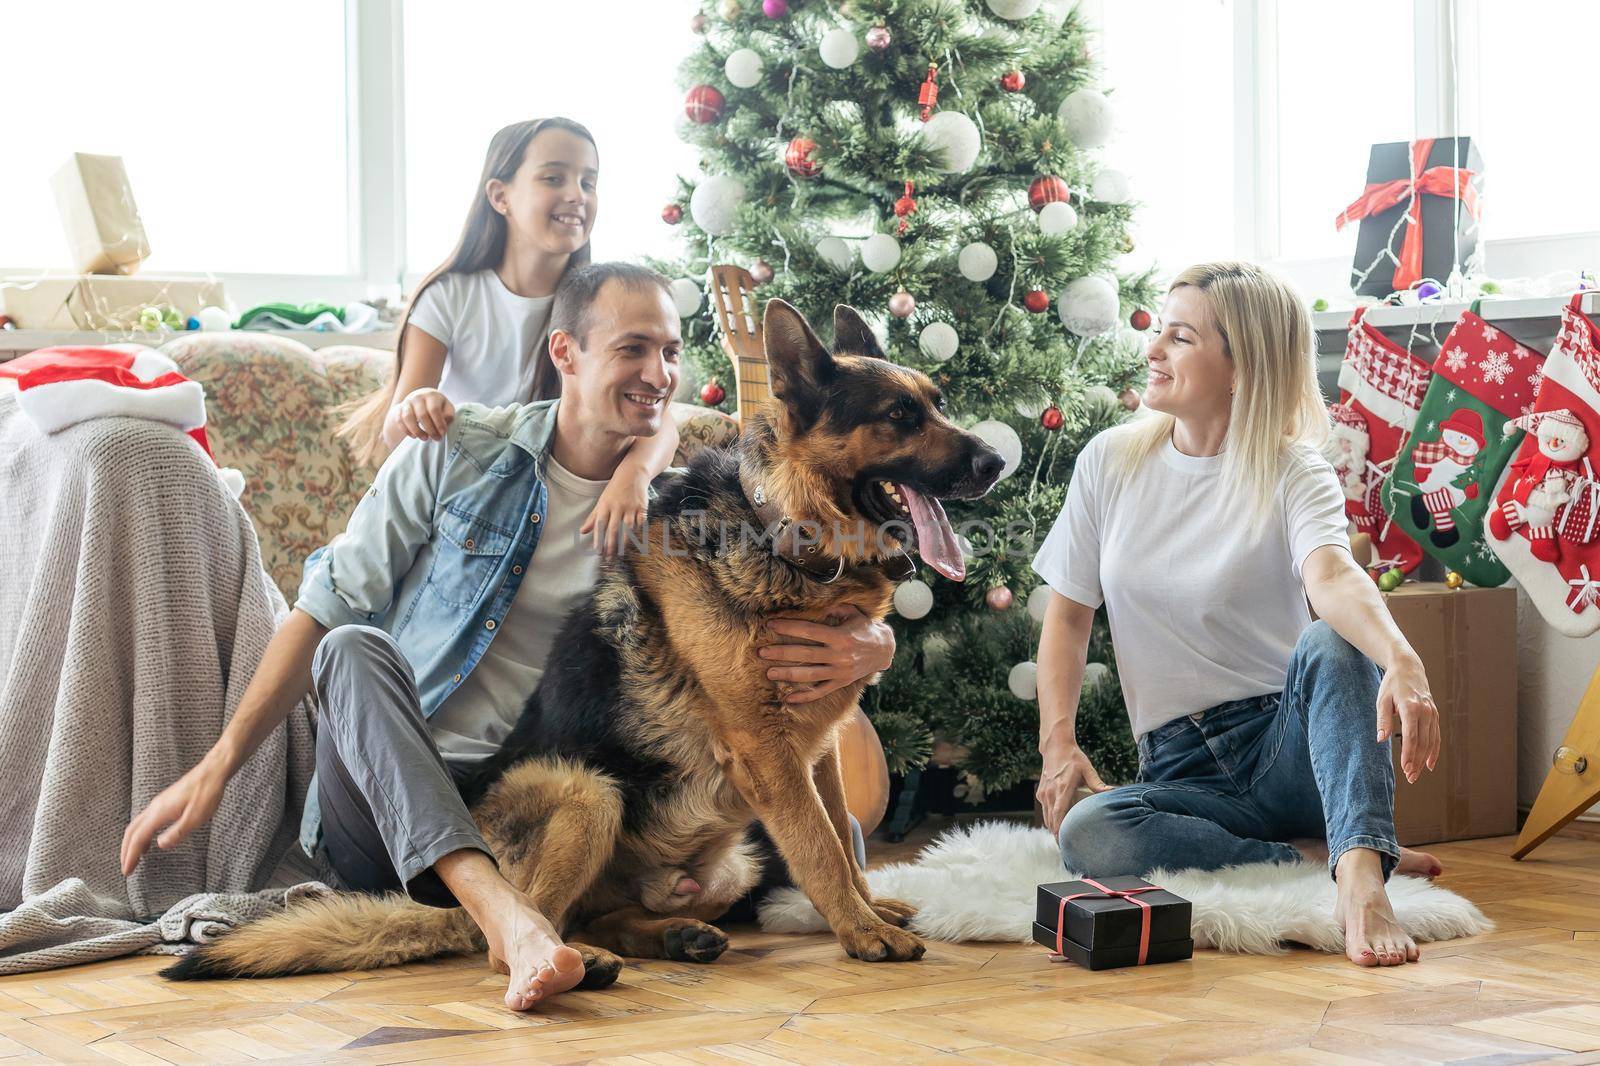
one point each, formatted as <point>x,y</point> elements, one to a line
<point>866,771</point>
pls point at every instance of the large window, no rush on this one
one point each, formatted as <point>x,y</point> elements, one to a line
<point>473,66</point>
<point>230,119</point>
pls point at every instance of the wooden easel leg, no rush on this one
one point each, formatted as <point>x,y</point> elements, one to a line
<point>1573,785</point>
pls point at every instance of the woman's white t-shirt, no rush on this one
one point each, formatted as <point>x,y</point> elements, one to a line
<point>1203,609</point>
<point>490,336</point>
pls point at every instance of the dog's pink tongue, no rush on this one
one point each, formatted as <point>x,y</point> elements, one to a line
<point>936,541</point>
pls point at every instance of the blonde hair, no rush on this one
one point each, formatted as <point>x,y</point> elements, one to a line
<point>1266,332</point>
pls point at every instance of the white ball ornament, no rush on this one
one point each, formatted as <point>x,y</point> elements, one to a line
<point>685,296</point>
<point>836,253</point>
<point>1099,395</point>
<point>1013,9</point>
<point>714,205</point>
<point>1095,675</point>
<point>1111,187</point>
<point>1057,218</point>
<point>1003,439</point>
<point>1038,600</point>
<point>938,340</point>
<point>880,252</point>
<point>839,48</point>
<point>743,68</point>
<point>1089,306</point>
<point>214,318</point>
<point>913,599</point>
<point>954,139</point>
<point>977,262</point>
<point>1088,118</point>
<point>1024,681</point>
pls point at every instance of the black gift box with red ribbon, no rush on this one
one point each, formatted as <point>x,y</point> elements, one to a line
<point>1418,213</point>
<point>1105,922</point>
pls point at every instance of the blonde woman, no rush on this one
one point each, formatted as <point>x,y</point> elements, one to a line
<point>1204,528</point>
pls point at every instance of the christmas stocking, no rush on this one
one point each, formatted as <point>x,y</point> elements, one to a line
<point>1543,523</point>
<point>1380,391</point>
<point>1444,478</point>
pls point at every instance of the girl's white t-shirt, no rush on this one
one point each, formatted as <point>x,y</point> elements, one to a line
<point>1203,608</point>
<point>490,336</point>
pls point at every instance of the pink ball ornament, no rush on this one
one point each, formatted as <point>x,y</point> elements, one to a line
<point>1130,399</point>
<point>878,38</point>
<point>998,599</point>
<point>761,272</point>
<point>699,23</point>
<point>775,9</point>
<point>901,304</point>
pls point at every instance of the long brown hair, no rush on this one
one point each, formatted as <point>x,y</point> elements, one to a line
<point>482,245</point>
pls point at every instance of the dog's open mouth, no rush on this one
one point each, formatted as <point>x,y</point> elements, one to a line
<point>896,501</point>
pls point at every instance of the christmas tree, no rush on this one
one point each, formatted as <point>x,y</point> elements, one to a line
<point>930,163</point>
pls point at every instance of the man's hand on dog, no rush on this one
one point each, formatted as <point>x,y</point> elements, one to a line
<point>826,656</point>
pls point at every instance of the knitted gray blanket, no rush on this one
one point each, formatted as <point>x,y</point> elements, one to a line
<point>133,611</point>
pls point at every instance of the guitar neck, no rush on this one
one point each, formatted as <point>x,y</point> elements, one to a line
<point>753,384</point>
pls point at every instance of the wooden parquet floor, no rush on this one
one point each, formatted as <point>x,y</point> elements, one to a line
<point>1529,992</point>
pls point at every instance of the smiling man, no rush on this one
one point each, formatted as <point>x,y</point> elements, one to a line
<point>423,629</point>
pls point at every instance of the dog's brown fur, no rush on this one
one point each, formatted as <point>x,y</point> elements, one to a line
<point>656,738</point>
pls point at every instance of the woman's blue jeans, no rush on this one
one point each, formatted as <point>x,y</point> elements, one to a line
<point>1232,784</point>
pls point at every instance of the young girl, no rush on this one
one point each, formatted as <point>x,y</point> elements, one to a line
<point>477,327</point>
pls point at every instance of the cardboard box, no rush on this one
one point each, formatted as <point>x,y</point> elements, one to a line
<point>101,301</point>
<point>1467,639</point>
<point>1447,227</point>
<point>102,222</point>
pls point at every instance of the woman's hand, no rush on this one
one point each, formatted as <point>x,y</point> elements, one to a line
<point>1065,771</point>
<point>1404,693</point>
<point>621,509</point>
<point>829,657</point>
<point>425,414</point>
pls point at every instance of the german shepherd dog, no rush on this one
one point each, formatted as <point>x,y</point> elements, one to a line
<point>623,801</point>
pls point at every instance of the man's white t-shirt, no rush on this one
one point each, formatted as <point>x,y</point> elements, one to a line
<point>490,334</point>
<point>1203,608</point>
<point>477,717</point>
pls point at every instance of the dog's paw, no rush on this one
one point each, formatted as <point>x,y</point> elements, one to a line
<point>688,940</point>
<point>600,967</point>
<point>894,911</point>
<point>881,943</point>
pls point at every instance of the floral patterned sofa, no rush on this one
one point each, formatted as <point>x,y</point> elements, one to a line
<point>270,414</point>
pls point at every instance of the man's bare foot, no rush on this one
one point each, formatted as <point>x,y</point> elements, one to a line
<point>524,945</point>
<point>1372,935</point>
<point>1418,864</point>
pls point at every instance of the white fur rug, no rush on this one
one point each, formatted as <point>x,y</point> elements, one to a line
<point>978,883</point>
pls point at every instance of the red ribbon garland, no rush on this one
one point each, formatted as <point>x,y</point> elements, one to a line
<point>1454,182</point>
<point>1130,894</point>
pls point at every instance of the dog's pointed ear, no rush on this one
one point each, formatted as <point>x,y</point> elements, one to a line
<point>801,367</point>
<point>852,335</point>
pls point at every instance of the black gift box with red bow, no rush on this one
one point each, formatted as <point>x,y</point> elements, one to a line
<point>1106,922</point>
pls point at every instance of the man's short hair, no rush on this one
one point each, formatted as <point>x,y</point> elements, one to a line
<point>572,311</point>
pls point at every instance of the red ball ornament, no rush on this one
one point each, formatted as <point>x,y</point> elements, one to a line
<point>1052,418</point>
<point>1012,81</point>
<point>1048,189</point>
<point>998,598</point>
<point>704,104</point>
<point>761,272</point>
<point>1140,319</point>
<point>797,157</point>
<point>901,304</point>
<point>672,214</point>
<point>878,38</point>
<point>1037,301</point>
<point>712,393</point>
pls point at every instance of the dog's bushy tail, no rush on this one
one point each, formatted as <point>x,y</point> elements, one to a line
<point>340,932</point>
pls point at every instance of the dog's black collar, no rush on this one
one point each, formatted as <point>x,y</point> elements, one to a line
<point>784,533</point>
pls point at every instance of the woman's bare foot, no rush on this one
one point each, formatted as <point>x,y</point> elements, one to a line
<point>1372,935</point>
<point>524,945</point>
<point>1418,864</point>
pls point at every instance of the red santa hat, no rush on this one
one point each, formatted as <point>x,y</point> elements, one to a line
<point>1466,422</point>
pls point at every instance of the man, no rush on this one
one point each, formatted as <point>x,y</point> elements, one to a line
<point>424,628</point>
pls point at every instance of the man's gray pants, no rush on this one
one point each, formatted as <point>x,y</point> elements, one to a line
<point>390,804</point>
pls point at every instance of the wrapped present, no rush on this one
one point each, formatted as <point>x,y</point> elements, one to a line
<point>1418,213</point>
<point>102,222</point>
<point>1113,921</point>
<point>102,301</point>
